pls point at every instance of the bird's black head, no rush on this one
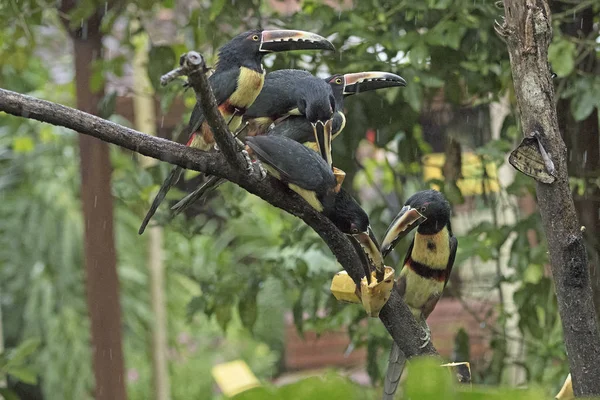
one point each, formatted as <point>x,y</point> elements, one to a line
<point>336,82</point>
<point>248,48</point>
<point>433,206</point>
<point>428,210</point>
<point>348,215</point>
<point>352,220</point>
<point>315,101</point>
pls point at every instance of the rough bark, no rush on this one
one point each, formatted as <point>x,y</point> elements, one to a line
<point>395,315</point>
<point>527,31</point>
<point>583,144</point>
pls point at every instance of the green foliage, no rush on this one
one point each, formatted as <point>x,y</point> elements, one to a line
<point>425,379</point>
<point>328,386</point>
<point>238,266</point>
<point>14,362</point>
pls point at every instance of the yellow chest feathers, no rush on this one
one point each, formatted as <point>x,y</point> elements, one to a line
<point>432,250</point>
<point>249,85</point>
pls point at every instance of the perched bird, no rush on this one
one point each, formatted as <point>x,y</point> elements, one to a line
<point>236,82</point>
<point>298,128</point>
<point>290,92</point>
<point>426,267</point>
<point>307,174</point>
<point>278,104</point>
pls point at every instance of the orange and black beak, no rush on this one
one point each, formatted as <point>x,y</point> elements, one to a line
<point>407,219</point>
<point>323,137</point>
<point>370,245</point>
<point>285,40</point>
<point>366,81</point>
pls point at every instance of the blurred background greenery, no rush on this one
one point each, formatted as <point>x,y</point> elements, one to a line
<point>245,281</point>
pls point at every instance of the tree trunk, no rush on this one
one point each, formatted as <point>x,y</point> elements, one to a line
<point>102,283</point>
<point>583,146</point>
<point>528,31</point>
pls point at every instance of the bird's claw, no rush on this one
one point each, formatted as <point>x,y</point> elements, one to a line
<point>262,171</point>
<point>249,164</point>
<point>426,338</point>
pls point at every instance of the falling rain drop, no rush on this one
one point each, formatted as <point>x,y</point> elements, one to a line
<point>95,201</point>
<point>162,121</point>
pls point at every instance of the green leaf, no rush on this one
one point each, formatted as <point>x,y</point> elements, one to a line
<point>223,315</point>
<point>248,309</point>
<point>418,54</point>
<point>24,374</point>
<point>561,55</point>
<point>583,103</point>
<point>23,144</point>
<point>8,394</point>
<point>161,59</point>
<point>438,385</point>
<point>533,273</point>
<point>298,312</point>
<point>25,349</point>
<point>197,304</point>
<point>216,8</point>
<point>413,94</point>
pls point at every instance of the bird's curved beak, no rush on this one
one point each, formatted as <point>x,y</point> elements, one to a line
<point>365,81</point>
<point>370,245</point>
<point>322,131</point>
<point>286,40</point>
<point>407,219</point>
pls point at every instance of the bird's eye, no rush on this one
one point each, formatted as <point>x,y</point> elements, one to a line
<point>423,209</point>
<point>255,38</point>
<point>354,230</point>
<point>338,81</point>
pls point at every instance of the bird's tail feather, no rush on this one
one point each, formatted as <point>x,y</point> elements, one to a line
<point>160,196</point>
<point>212,183</point>
<point>396,364</point>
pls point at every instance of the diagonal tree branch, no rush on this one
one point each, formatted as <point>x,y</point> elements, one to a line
<point>527,32</point>
<point>395,315</point>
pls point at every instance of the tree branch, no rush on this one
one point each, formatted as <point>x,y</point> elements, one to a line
<point>528,31</point>
<point>395,315</point>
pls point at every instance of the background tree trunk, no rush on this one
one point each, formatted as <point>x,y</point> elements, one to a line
<point>102,283</point>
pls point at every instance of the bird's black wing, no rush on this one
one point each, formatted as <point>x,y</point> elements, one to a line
<point>278,95</point>
<point>296,128</point>
<point>295,163</point>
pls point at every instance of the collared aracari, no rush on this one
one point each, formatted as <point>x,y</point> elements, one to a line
<point>277,106</point>
<point>426,268</point>
<point>236,82</point>
<point>308,174</point>
<point>345,85</point>
<point>290,92</point>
